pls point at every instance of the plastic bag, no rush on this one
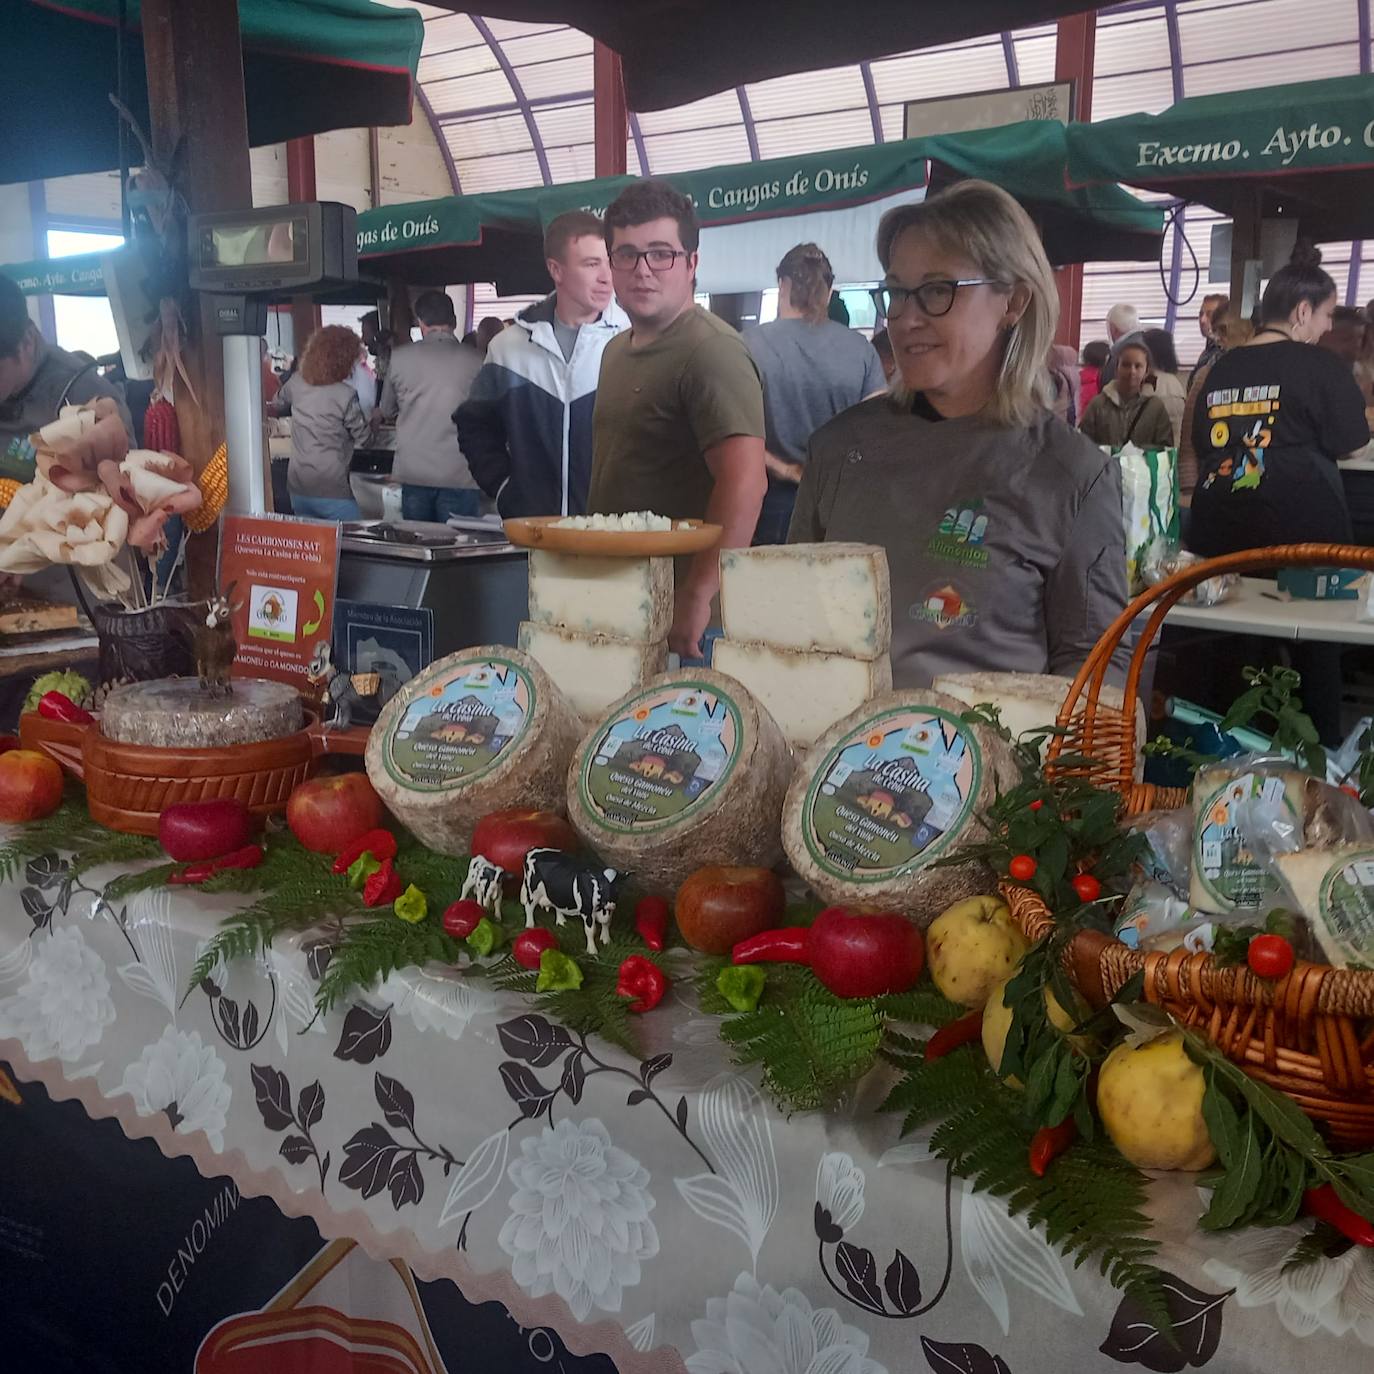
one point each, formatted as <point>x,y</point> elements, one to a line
<point>1149,504</point>
<point>1211,591</point>
<point>1154,917</point>
<point>1168,836</point>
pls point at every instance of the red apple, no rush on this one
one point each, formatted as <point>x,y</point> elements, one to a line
<point>719,906</point>
<point>505,837</point>
<point>30,785</point>
<point>327,814</point>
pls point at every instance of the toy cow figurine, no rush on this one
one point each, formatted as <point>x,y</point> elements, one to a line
<point>555,881</point>
<point>214,644</point>
<point>483,884</point>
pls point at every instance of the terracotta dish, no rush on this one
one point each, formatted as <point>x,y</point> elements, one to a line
<point>542,532</point>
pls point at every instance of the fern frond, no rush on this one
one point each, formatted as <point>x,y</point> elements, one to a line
<point>71,831</point>
<point>930,1089</point>
<point>371,951</point>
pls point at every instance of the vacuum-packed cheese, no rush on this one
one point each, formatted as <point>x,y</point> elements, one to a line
<point>884,793</point>
<point>804,693</point>
<point>688,770</point>
<point>592,671</point>
<point>1335,890</point>
<point>834,598</point>
<point>630,598</point>
<point>479,731</point>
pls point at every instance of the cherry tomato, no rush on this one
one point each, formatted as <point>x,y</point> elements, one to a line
<point>1087,887</point>
<point>1036,804</point>
<point>1269,956</point>
<point>461,918</point>
<point>1022,868</point>
<point>530,944</point>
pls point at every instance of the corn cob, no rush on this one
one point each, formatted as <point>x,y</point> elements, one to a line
<point>9,489</point>
<point>214,491</point>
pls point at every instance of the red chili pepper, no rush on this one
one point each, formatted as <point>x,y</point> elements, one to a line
<point>461,917</point>
<point>1324,1203</point>
<point>1087,887</point>
<point>956,1033</point>
<point>381,844</point>
<point>250,856</point>
<point>643,980</point>
<point>383,887</point>
<point>8,742</point>
<point>651,921</point>
<point>1048,1143</point>
<point>59,706</point>
<point>530,944</point>
<point>1036,804</point>
<point>1022,868</point>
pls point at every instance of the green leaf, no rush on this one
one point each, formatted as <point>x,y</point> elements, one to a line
<point>1223,1122</point>
<point>1234,1196</point>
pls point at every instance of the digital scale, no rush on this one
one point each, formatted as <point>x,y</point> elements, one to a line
<point>244,260</point>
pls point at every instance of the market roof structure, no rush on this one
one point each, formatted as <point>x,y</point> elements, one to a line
<point>308,66</point>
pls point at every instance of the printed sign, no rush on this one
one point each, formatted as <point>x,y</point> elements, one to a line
<point>458,724</point>
<point>283,573</point>
<point>662,756</point>
<point>390,644</point>
<point>1221,857</point>
<point>888,796</point>
<point>1346,907</point>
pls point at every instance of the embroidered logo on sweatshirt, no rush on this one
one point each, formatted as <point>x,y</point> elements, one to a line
<point>945,607</point>
<point>960,535</point>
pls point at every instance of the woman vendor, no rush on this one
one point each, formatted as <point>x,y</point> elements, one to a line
<point>1002,526</point>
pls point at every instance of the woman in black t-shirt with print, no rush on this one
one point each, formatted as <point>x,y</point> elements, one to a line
<point>1272,420</point>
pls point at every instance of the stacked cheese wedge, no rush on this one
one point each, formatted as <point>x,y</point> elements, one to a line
<point>808,628</point>
<point>598,626</point>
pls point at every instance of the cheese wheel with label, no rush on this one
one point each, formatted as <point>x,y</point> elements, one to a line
<point>1335,890</point>
<point>686,771</point>
<point>885,792</point>
<point>482,730</point>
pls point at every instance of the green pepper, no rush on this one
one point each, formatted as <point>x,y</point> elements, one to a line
<point>557,972</point>
<point>411,905</point>
<point>486,936</point>
<point>362,868</point>
<point>741,985</point>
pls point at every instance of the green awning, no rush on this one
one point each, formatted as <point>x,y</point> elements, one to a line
<point>1083,224</point>
<point>79,275</point>
<point>765,190</point>
<point>1307,148</point>
<point>308,66</point>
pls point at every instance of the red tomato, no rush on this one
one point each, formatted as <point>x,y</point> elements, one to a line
<point>1022,868</point>
<point>1036,804</point>
<point>530,944</point>
<point>1087,887</point>
<point>1269,956</point>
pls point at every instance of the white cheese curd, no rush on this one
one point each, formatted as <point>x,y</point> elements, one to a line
<point>637,521</point>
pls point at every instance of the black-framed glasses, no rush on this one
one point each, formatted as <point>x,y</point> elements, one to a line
<point>626,259</point>
<point>933,298</point>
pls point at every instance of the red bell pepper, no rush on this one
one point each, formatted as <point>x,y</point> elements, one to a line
<point>956,1033</point>
<point>59,706</point>
<point>1048,1143</point>
<point>651,921</point>
<point>643,980</point>
<point>530,945</point>
<point>381,844</point>
<point>383,887</point>
<point>461,917</point>
<point>1324,1203</point>
<point>250,856</point>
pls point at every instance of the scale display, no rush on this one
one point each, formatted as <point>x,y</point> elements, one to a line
<point>277,248</point>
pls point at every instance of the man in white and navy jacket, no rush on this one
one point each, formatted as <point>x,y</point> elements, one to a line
<point>526,426</point>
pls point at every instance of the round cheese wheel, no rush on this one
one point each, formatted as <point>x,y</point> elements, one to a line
<point>885,792</point>
<point>687,770</point>
<point>476,732</point>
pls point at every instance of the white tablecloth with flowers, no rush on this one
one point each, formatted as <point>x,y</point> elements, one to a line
<point>657,1210</point>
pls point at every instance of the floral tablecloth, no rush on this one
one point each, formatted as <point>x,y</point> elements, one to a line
<point>657,1209</point>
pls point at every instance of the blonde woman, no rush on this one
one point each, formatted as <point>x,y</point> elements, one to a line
<point>1002,525</point>
<point>812,368</point>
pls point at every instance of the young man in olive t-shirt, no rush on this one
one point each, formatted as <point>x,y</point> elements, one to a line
<point>678,425</point>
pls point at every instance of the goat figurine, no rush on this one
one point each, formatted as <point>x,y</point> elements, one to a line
<point>214,643</point>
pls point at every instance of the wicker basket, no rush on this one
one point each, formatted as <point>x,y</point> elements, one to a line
<point>1309,1034</point>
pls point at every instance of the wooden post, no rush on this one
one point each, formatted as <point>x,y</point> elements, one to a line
<point>611,121</point>
<point>374,168</point>
<point>1075,48</point>
<point>196,102</point>
<point>300,186</point>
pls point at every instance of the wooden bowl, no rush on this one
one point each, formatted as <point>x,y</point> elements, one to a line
<point>543,532</point>
<point>128,786</point>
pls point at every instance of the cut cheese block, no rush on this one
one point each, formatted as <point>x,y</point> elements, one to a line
<point>805,693</point>
<point>887,791</point>
<point>835,598</point>
<point>1228,805</point>
<point>686,771</point>
<point>630,598</point>
<point>479,731</point>
<point>1031,701</point>
<point>1334,889</point>
<point>592,671</point>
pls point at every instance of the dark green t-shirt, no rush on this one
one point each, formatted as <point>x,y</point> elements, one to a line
<point>660,407</point>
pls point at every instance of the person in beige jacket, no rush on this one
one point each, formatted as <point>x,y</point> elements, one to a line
<point>1123,411</point>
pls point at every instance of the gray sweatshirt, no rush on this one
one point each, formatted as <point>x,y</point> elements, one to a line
<point>425,383</point>
<point>1006,546</point>
<point>327,423</point>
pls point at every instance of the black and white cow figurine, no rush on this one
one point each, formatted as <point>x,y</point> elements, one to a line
<point>483,884</point>
<point>557,882</point>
